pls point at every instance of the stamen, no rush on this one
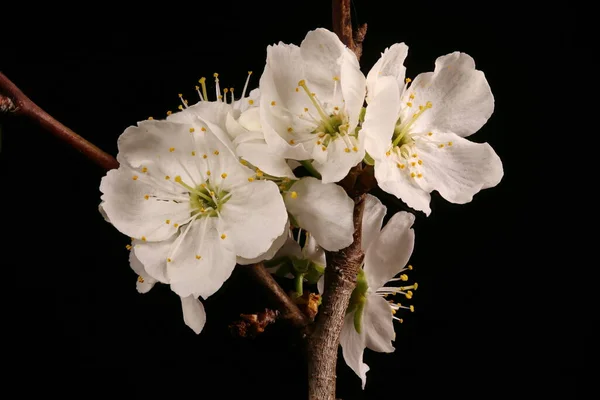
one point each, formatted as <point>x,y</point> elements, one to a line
<point>217,87</point>
<point>203,84</point>
<point>311,96</point>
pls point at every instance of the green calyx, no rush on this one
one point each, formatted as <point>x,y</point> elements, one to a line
<point>206,198</point>
<point>358,299</point>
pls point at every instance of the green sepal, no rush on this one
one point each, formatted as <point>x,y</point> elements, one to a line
<point>368,159</point>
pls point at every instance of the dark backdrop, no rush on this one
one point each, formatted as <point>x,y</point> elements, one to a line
<point>498,306</point>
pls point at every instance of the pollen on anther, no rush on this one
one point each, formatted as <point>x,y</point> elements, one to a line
<point>408,80</point>
<point>294,195</point>
<point>323,148</point>
<point>171,149</point>
<point>180,107</point>
<point>180,95</point>
<point>212,194</point>
<point>347,150</point>
<point>144,238</point>
<point>409,295</point>
<point>412,174</point>
<point>144,170</point>
<point>409,104</point>
<point>250,101</point>
<point>150,118</point>
<point>204,156</point>
<point>420,162</point>
<point>193,153</point>
<point>410,267</point>
<point>167,177</point>
<point>169,113</point>
<point>259,173</point>
<point>198,256</point>
<point>215,75</point>
<point>140,279</point>
<point>175,225</point>
<point>388,153</point>
<point>128,247</point>
<point>401,166</point>
<point>336,78</point>
<point>168,221</point>
<point>413,163</point>
<point>203,129</point>
<point>292,141</point>
<point>146,197</point>
<point>208,173</point>
<point>441,146</point>
<point>223,236</point>
<point>449,143</point>
<point>290,129</point>
<point>414,155</point>
<point>273,103</point>
<point>412,308</point>
<point>305,109</point>
<point>178,179</point>
<point>192,130</point>
<point>223,175</point>
<point>169,260</point>
<point>430,133</point>
<point>297,89</point>
<point>216,152</point>
<point>404,277</point>
<point>336,108</point>
<point>250,179</point>
<point>318,142</point>
<point>355,149</point>
<point>135,177</point>
<point>419,175</point>
<point>412,96</point>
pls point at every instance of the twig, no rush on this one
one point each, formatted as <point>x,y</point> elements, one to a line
<point>10,94</point>
<point>342,26</point>
<point>14,101</point>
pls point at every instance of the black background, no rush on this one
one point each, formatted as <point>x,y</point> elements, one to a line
<point>499,307</point>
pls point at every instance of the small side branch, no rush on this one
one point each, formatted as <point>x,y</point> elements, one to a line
<point>342,26</point>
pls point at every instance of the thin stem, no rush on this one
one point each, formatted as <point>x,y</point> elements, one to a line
<point>311,170</point>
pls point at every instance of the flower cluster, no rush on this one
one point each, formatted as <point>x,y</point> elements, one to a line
<point>217,184</point>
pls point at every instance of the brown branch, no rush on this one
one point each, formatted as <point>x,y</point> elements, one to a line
<point>13,100</point>
<point>22,105</point>
<point>340,280</point>
<point>342,26</point>
<point>289,310</point>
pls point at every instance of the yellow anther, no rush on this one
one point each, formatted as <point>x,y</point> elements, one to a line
<point>223,236</point>
<point>146,197</point>
<point>243,162</point>
<point>301,82</point>
<point>441,146</point>
<point>408,80</point>
<point>203,185</point>
<point>198,256</point>
<point>250,101</point>
<point>250,179</point>
<point>290,129</point>
<point>203,129</point>
<point>167,177</point>
<point>223,175</point>
<point>150,118</point>
<point>197,87</point>
<point>416,285</point>
<point>169,260</point>
<point>401,166</point>
<point>420,162</point>
<point>294,195</point>
<point>140,279</point>
<point>449,143</point>
<point>410,267</point>
<point>216,152</point>
<point>204,155</point>
<point>180,107</point>
<point>297,89</point>
<point>355,149</point>
<point>180,95</point>
<point>401,320</point>
<point>388,153</point>
<point>144,170</point>
<point>273,103</point>
<point>323,148</point>
<point>292,141</point>
<point>305,109</point>
<point>193,153</point>
<point>128,247</point>
<point>413,163</point>
<point>175,225</point>
<point>322,135</point>
<point>409,295</point>
<point>178,179</point>
<point>412,308</point>
<point>412,174</point>
<point>428,104</point>
<point>430,133</point>
<point>336,108</point>
<point>212,194</point>
<point>171,149</point>
<point>208,173</point>
<point>169,113</point>
<point>259,173</point>
<point>412,96</point>
<point>347,150</point>
<point>336,78</point>
<point>135,177</point>
<point>216,75</point>
<point>144,238</point>
<point>225,90</point>
<point>202,80</point>
<point>414,155</point>
<point>318,142</point>
<point>192,130</point>
<point>409,104</point>
<point>404,277</point>
<point>419,175</point>
<point>168,221</point>
<point>421,108</point>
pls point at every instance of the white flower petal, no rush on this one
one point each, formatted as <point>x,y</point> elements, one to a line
<point>290,248</point>
<point>398,182</point>
<point>338,162</point>
<point>136,206</point>
<point>461,170</point>
<point>254,217</point>
<point>353,346</point>
<point>321,284</point>
<point>354,89</point>
<point>193,313</point>
<point>250,119</point>
<point>258,153</point>
<point>381,117</point>
<point>461,96</point>
<point>324,210</point>
<point>378,324</point>
<point>153,256</point>
<point>102,212</point>
<point>390,251</point>
<point>390,64</point>
<point>322,51</point>
<point>145,282</point>
<point>213,114</point>
<point>372,220</point>
<point>275,247</point>
<point>313,251</point>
